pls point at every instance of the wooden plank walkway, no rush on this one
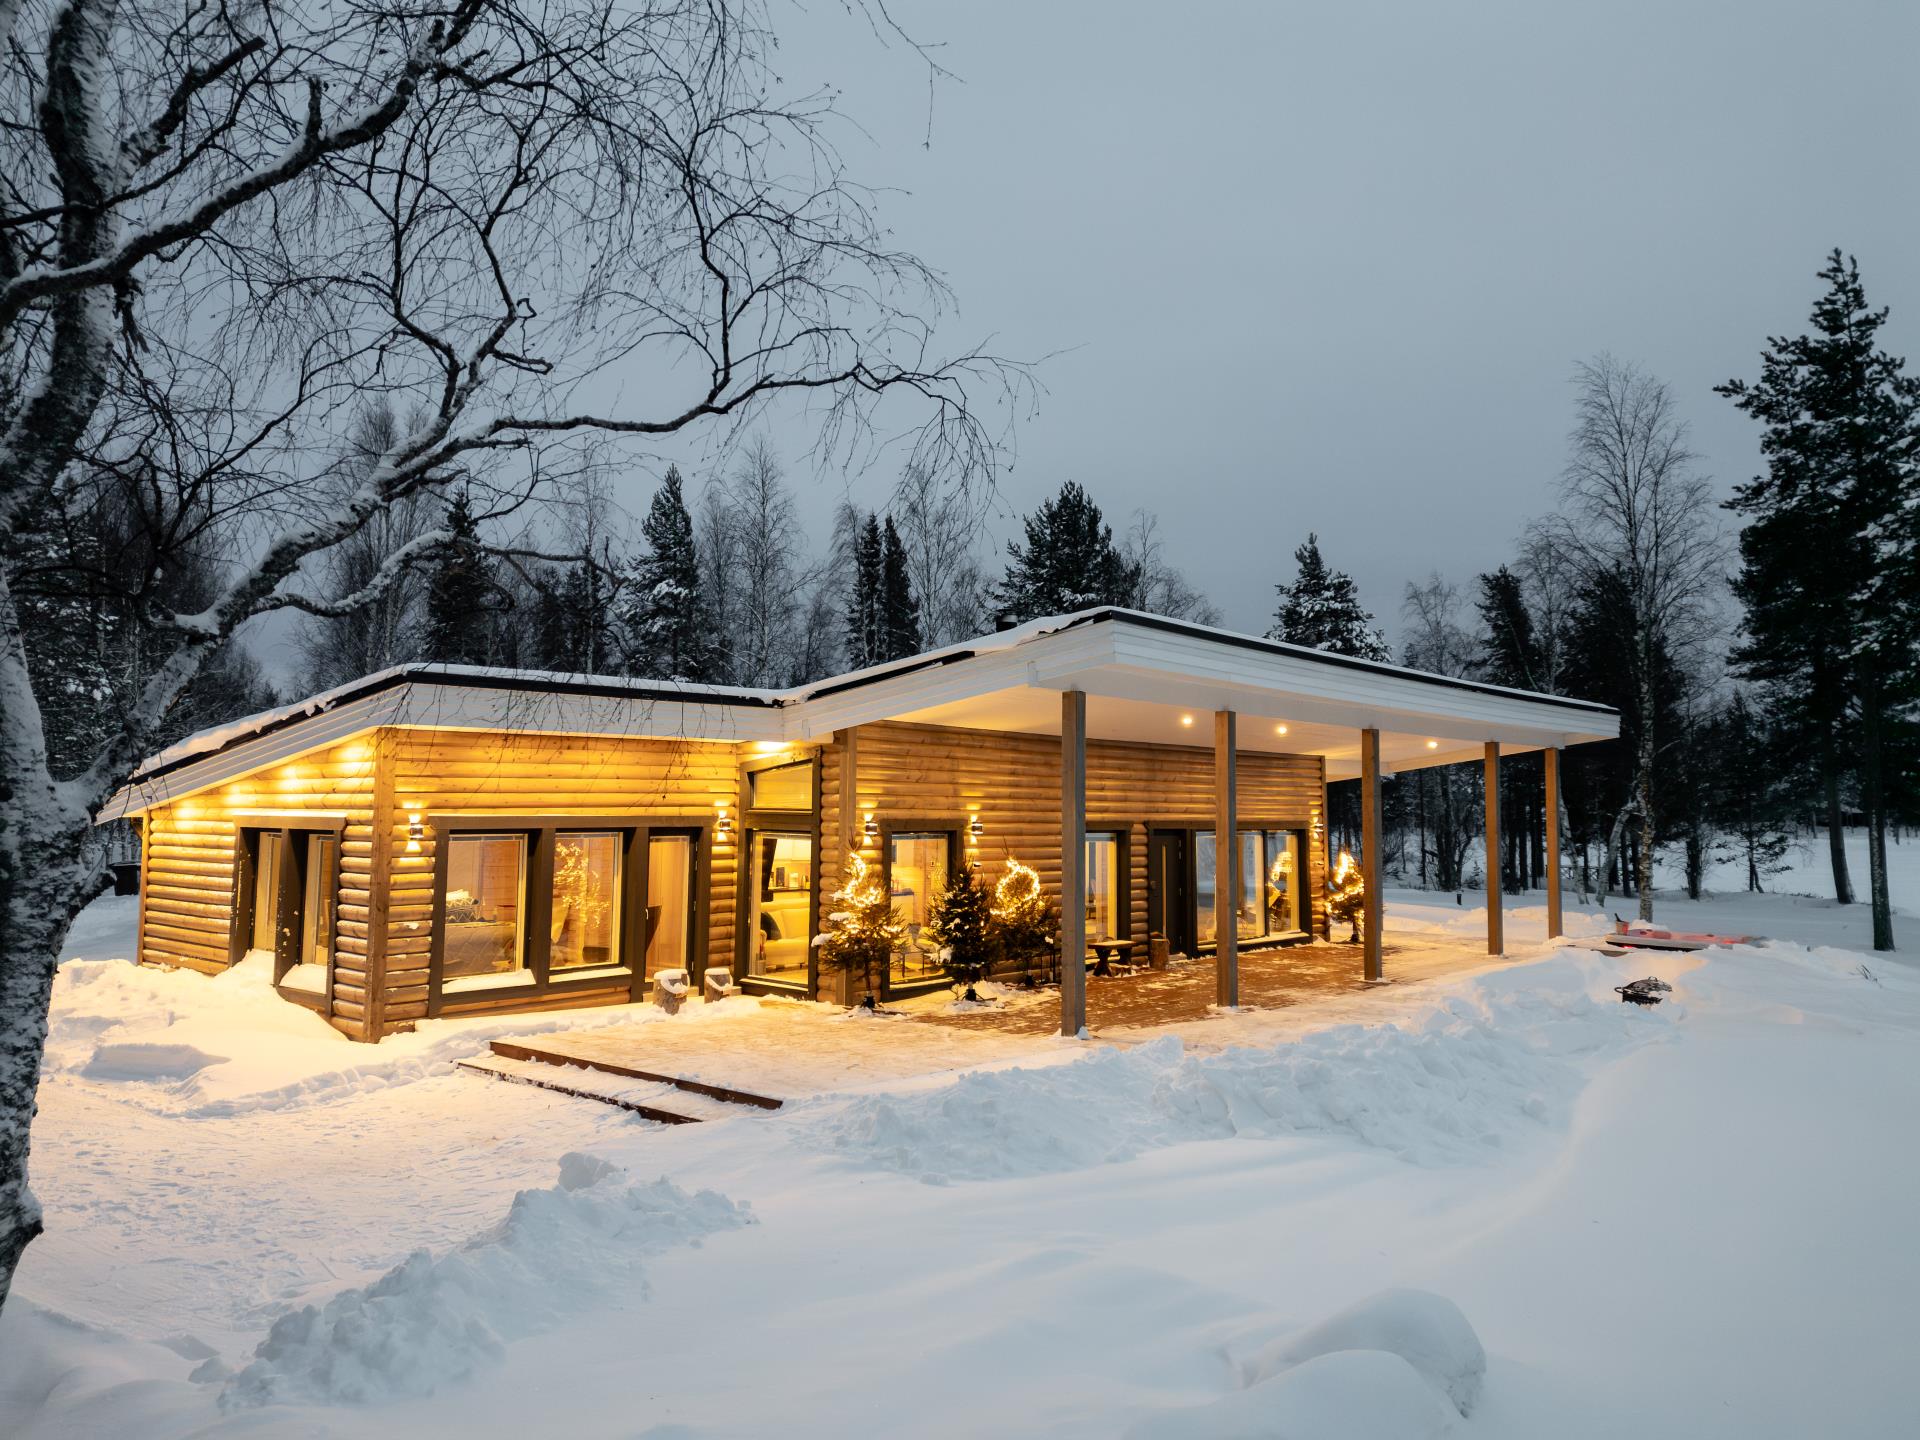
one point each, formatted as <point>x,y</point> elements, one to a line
<point>1269,979</point>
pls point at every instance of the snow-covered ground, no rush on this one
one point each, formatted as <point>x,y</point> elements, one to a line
<point>1498,1190</point>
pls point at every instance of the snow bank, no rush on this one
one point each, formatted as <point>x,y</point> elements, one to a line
<point>1426,1330</point>
<point>1347,1395</point>
<point>177,1042</point>
<point>1493,1060</point>
<point>433,1319</point>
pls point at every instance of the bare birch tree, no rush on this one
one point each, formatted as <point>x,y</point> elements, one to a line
<point>223,231</point>
<point>1639,512</point>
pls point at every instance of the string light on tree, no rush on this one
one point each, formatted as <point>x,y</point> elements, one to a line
<point>1346,893</point>
<point>862,929</point>
<point>1023,917</point>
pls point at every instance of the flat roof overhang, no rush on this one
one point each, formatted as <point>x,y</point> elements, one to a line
<point>1160,683</point>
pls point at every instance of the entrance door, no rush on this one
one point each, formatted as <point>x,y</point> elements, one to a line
<point>1170,888</point>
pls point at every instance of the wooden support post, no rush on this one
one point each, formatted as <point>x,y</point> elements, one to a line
<point>1496,942</point>
<point>1371,830</point>
<point>1073,862</point>
<point>1226,861</point>
<point>1554,929</point>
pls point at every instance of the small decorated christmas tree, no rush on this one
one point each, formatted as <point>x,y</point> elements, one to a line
<point>1346,893</point>
<point>1024,922</point>
<point>862,929</point>
<point>960,922</point>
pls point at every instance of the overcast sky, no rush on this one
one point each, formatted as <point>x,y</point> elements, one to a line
<point>1329,267</point>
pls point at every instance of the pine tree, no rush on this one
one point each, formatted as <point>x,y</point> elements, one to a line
<point>900,610</point>
<point>1748,799</point>
<point>460,594</point>
<point>860,929</point>
<point>1068,562</point>
<point>1025,922</point>
<point>866,614</point>
<point>1829,576</point>
<point>960,922</point>
<point>1510,650</point>
<point>667,632</point>
<point>1322,609</point>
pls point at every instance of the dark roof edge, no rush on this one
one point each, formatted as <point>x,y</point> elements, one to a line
<point>542,682</point>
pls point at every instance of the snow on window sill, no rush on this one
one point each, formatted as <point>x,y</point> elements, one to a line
<point>501,980</point>
<point>592,972</point>
<point>309,979</point>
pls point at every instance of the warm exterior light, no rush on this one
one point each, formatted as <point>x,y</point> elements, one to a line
<point>416,832</point>
<point>1279,729</point>
<point>1433,744</point>
<point>975,829</point>
<point>769,747</point>
<point>1186,719</point>
<point>722,826</point>
<point>872,826</point>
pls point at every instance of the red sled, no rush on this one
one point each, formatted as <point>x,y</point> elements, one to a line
<point>1672,939</point>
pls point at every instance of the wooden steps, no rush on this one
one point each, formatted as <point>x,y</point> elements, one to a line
<point>652,1095</point>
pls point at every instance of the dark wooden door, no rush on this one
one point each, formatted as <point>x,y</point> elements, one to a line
<point>1170,888</point>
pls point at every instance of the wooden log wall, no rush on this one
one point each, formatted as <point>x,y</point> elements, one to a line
<point>496,773</point>
<point>1012,781</point>
<point>192,847</point>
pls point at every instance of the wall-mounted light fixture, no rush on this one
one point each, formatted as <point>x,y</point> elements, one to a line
<point>872,827</point>
<point>722,823</point>
<point>975,829</point>
<point>416,832</point>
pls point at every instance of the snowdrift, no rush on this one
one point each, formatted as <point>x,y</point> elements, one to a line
<point>432,1319</point>
<point>1490,1066</point>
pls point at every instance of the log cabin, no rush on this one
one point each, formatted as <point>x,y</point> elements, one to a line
<point>440,840</point>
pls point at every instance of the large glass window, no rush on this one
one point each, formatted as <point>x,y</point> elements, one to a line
<point>1285,880</point>
<point>919,865</point>
<point>486,880</point>
<point>669,902</point>
<point>1271,884</point>
<point>1204,880</point>
<point>1104,918</point>
<point>586,900</point>
<point>777,919</point>
<point>784,787</point>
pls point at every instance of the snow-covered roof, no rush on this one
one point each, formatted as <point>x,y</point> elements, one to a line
<point>1139,665</point>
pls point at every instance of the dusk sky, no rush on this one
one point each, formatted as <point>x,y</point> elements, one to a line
<point>1330,267</point>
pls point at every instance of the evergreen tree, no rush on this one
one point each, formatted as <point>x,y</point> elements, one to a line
<point>570,619</point>
<point>900,610</point>
<point>960,922</point>
<point>1068,562</point>
<point>1749,804</point>
<point>1510,652</point>
<point>460,593</point>
<point>866,612</point>
<point>1829,574</point>
<point>667,632</point>
<point>1322,609</point>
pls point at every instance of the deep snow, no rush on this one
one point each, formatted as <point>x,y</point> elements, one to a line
<point>1687,1221</point>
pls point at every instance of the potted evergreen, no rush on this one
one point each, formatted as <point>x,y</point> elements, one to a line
<point>861,931</point>
<point>960,922</point>
<point>1024,921</point>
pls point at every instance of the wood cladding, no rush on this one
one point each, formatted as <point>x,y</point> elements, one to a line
<point>385,781</point>
<point>1012,782</point>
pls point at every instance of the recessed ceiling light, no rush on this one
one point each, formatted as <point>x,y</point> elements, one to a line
<point>1186,719</point>
<point>1433,744</point>
<point>1279,729</point>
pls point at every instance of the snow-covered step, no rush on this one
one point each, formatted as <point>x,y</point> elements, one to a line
<point>659,1100</point>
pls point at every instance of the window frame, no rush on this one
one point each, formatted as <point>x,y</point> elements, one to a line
<point>1247,825</point>
<point>753,822</point>
<point>954,833</point>
<point>1122,831</point>
<point>539,982</point>
<point>296,833</point>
